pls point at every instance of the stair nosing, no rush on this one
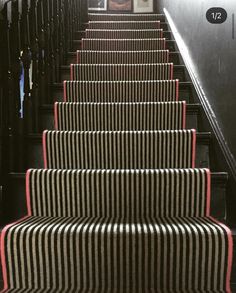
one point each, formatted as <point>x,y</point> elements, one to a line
<point>191,108</point>
<point>75,52</point>
<point>214,174</point>
<point>67,67</point>
<point>181,83</point>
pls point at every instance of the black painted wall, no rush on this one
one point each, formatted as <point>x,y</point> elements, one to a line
<point>213,52</point>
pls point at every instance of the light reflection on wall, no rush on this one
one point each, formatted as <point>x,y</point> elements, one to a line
<point>213,53</point>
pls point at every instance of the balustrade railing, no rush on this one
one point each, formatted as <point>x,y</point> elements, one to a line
<point>35,37</point>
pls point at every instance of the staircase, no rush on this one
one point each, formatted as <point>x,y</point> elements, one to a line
<point>119,196</point>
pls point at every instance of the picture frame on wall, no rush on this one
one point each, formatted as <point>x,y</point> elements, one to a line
<point>99,5</point>
<point>120,5</point>
<point>143,6</point>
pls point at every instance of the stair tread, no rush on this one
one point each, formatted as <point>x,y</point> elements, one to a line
<point>203,138</point>
<point>2,224</point>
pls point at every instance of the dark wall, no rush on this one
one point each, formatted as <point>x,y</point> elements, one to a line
<point>213,52</point>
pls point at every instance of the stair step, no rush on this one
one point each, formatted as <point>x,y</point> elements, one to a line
<point>15,197</point>
<point>81,34</point>
<point>185,92</point>
<point>179,72</point>
<point>35,150</point>
<point>174,58</point>
<point>16,200</point>
<point>47,117</point>
<point>125,17</point>
<point>122,57</point>
<point>122,34</point>
<point>112,248</point>
<point>163,24</point>
<point>170,45</point>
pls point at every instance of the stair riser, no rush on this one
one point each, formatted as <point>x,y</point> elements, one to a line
<point>185,94</point>
<point>35,153</point>
<point>178,74</point>
<point>16,195</point>
<point>164,25</point>
<point>166,34</point>
<point>47,120</point>
<point>170,45</point>
<point>174,58</point>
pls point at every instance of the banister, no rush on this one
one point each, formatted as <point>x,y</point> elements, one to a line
<point>35,38</point>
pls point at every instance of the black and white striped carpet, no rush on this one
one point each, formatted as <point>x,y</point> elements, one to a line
<point>120,116</point>
<point>124,17</point>
<point>121,91</point>
<point>125,72</point>
<point>119,149</point>
<point>120,206</point>
<point>122,57</point>
<point>124,44</point>
<point>122,34</point>
<point>124,25</point>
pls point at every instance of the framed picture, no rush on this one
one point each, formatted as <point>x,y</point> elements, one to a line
<point>97,5</point>
<point>143,6</point>
<point>123,5</point>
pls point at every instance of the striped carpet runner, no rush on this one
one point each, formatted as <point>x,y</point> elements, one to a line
<point>122,34</point>
<point>124,17</point>
<point>120,116</point>
<point>122,57</point>
<point>121,91</point>
<point>124,25</point>
<point>124,44</point>
<point>101,228</point>
<point>119,149</point>
<point>116,72</point>
<point>120,206</point>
